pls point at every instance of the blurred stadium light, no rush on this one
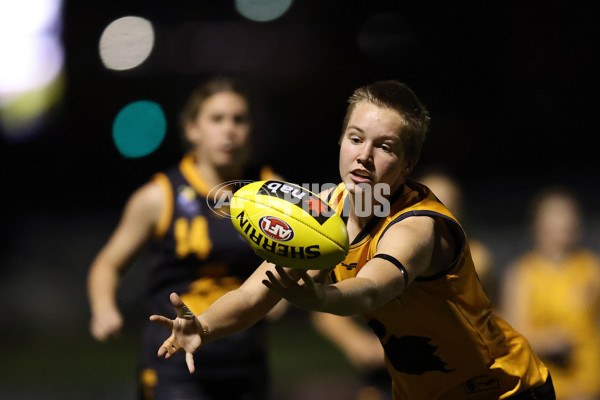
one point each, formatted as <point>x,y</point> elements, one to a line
<point>139,128</point>
<point>126,43</point>
<point>32,63</point>
<point>262,10</point>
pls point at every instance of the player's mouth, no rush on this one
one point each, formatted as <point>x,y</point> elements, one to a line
<point>230,150</point>
<point>360,176</point>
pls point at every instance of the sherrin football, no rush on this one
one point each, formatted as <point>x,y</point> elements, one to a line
<point>288,225</point>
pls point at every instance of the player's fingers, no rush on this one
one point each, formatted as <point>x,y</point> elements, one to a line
<point>171,345</point>
<point>184,312</point>
<point>175,300</point>
<point>272,282</point>
<point>283,276</point>
<point>308,281</point>
<point>269,285</point>
<point>97,332</point>
<point>180,308</point>
<point>166,322</point>
<point>189,360</point>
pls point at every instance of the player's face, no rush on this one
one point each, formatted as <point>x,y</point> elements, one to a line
<point>221,129</point>
<point>371,151</point>
<point>557,224</point>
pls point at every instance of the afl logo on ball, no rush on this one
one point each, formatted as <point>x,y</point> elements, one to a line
<point>276,229</point>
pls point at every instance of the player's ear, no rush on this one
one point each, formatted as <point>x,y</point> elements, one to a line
<point>408,166</point>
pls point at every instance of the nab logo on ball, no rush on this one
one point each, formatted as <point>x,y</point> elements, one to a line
<point>289,225</point>
<point>276,228</point>
<point>298,196</point>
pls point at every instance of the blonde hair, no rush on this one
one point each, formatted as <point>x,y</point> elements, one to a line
<point>399,97</point>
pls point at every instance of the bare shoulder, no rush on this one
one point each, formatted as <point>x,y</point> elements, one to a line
<point>424,242</point>
<point>412,242</point>
<point>420,228</point>
<point>147,201</point>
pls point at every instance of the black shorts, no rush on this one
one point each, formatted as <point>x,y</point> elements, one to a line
<point>235,367</point>
<point>543,392</point>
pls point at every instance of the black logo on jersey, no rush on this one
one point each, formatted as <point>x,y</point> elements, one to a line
<point>409,354</point>
<point>350,266</point>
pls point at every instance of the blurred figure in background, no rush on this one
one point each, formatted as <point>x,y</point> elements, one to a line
<point>552,295</point>
<point>193,251</point>
<point>447,189</point>
<point>362,349</point>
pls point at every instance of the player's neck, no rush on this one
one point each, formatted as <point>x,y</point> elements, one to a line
<point>359,215</point>
<point>214,175</point>
<point>364,205</point>
<point>554,254</point>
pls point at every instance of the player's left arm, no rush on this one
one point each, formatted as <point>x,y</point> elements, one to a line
<point>403,253</point>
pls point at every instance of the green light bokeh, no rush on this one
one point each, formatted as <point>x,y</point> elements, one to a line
<point>139,128</point>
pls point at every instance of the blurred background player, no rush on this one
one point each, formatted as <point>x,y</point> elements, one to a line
<point>362,349</point>
<point>449,191</point>
<point>193,251</point>
<point>552,295</point>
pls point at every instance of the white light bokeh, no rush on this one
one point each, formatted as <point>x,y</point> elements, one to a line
<point>126,43</point>
<point>262,10</point>
<point>30,49</point>
<point>31,66</point>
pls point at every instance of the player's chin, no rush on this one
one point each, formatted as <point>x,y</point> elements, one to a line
<point>226,159</point>
<point>359,186</point>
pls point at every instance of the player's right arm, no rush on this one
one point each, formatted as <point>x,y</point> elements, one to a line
<point>137,223</point>
<point>231,313</point>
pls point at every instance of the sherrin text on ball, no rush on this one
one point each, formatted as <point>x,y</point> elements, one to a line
<point>289,225</point>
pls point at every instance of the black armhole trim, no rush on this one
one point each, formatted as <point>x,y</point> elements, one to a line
<point>332,277</point>
<point>397,263</point>
<point>454,227</point>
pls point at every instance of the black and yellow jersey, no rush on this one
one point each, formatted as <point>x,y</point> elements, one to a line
<point>441,337</point>
<point>197,253</point>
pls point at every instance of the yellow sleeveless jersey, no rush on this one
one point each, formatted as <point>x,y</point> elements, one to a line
<point>441,337</point>
<point>564,296</point>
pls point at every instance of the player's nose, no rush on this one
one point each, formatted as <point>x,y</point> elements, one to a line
<point>365,156</point>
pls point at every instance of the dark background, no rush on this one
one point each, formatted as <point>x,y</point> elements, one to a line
<point>512,91</point>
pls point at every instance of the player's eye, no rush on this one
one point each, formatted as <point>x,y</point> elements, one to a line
<point>217,118</point>
<point>386,148</point>
<point>240,119</point>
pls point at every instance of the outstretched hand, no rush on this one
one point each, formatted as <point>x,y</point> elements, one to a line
<point>185,331</point>
<point>105,324</point>
<point>309,295</point>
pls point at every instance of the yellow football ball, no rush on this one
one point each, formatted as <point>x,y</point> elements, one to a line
<point>288,225</point>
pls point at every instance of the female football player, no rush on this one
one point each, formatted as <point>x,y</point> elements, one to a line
<point>553,295</point>
<point>414,281</point>
<point>194,250</point>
